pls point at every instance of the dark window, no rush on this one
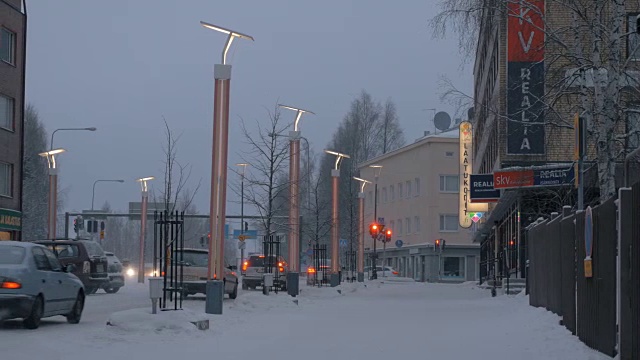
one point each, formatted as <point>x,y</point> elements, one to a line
<point>11,255</point>
<point>6,113</point>
<point>41,259</point>
<point>633,40</point>
<point>6,179</point>
<point>7,46</point>
<point>194,258</point>
<point>93,249</point>
<point>65,250</point>
<point>53,260</point>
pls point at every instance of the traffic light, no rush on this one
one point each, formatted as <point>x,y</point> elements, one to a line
<point>437,244</point>
<point>512,243</point>
<point>387,235</point>
<point>246,226</point>
<point>443,243</point>
<point>374,230</point>
<point>75,225</point>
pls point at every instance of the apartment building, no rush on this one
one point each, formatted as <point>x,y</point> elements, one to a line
<point>13,24</point>
<point>417,199</point>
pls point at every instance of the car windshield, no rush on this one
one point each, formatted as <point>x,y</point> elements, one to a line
<point>259,261</point>
<point>93,248</point>
<point>11,255</point>
<point>194,258</point>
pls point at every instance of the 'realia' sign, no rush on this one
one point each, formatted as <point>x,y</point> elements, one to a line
<point>525,77</point>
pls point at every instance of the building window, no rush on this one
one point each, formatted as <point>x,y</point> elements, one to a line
<point>6,172</point>
<point>384,195</point>
<point>7,46</point>
<point>391,226</point>
<point>417,182</point>
<point>399,226</point>
<point>400,193</point>
<point>448,154</point>
<point>448,222</point>
<point>453,267</point>
<point>633,40</point>
<point>407,221</point>
<point>408,186</point>
<point>6,113</point>
<point>392,192</point>
<point>449,183</point>
<point>416,221</point>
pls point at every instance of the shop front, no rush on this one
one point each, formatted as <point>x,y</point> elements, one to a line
<point>10,224</point>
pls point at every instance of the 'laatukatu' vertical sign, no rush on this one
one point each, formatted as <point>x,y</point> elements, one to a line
<point>525,77</point>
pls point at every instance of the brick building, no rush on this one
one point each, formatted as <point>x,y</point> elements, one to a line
<point>520,68</point>
<point>13,22</point>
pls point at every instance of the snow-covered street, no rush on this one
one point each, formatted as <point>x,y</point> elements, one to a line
<point>380,321</point>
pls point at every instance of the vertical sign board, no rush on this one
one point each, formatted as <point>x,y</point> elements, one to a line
<point>588,242</point>
<point>466,168</point>
<point>525,78</point>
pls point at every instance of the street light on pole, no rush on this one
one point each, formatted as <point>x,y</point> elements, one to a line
<point>377,169</point>
<point>69,129</point>
<point>335,254</point>
<point>222,79</point>
<point>93,196</point>
<point>294,205</point>
<point>244,169</point>
<point>143,224</point>
<point>53,190</point>
<point>363,183</point>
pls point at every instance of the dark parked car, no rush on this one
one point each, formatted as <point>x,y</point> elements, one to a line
<point>88,257</point>
<point>116,274</point>
<point>34,285</point>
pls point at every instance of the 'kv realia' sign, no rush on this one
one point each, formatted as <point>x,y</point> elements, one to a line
<point>525,78</point>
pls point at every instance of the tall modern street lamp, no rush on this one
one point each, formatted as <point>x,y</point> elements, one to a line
<point>68,129</point>
<point>335,254</point>
<point>143,224</point>
<point>293,275</point>
<point>93,196</point>
<point>361,227</point>
<point>244,169</point>
<point>222,79</point>
<point>53,191</point>
<point>377,169</point>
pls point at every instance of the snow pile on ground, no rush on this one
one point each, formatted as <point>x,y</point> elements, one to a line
<point>142,321</point>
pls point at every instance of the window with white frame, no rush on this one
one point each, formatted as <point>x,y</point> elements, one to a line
<point>399,232</point>
<point>6,113</point>
<point>407,222</point>
<point>400,192</point>
<point>6,172</point>
<point>407,184</point>
<point>416,221</point>
<point>7,46</point>
<point>417,182</point>
<point>384,195</point>
<point>448,222</point>
<point>449,183</point>
<point>392,192</point>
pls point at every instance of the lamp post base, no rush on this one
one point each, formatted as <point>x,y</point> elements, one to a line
<point>215,295</point>
<point>360,277</point>
<point>335,280</point>
<point>293,282</point>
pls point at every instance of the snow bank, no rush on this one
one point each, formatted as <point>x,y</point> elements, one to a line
<point>142,321</point>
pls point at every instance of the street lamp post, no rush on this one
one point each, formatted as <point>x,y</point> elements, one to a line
<point>222,79</point>
<point>143,225</point>
<point>53,190</point>
<point>244,169</point>
<point>363,183</point>
<point>68,129</point>
<point>335,254</point>
<point>377,169</point>
<point>93,196</point>
<point>293,276</point>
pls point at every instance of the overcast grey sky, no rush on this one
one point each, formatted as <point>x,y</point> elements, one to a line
<point>121,65</point>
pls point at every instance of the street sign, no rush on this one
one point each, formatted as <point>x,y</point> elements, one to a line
<point>481,189</point>
<point>309,251</point>
<point>242,245</point>
<point>343,242</point>
<point>101,234</point>
<point>248,234</point>
<point>135,208</point>
<point>381,220</point>
<point>242,238</point>
<point>399,243</point>
<point>556,175</point>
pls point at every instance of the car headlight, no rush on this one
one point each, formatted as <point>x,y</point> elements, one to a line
<point>130,272</point>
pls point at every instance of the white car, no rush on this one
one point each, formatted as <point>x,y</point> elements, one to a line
<point>386,271</point>
<point>34,285</point>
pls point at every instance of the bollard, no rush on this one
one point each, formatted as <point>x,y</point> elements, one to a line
<point>155,292</point>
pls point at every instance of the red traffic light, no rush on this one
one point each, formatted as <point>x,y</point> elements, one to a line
<point>437,242</point>
<point>388,235</point>
<point>374,230</point>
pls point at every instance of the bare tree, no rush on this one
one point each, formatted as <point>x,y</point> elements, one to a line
<point>392,136</point>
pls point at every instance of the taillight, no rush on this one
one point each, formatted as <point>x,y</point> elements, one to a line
<point>395,273</point>
<point>311,270</point>
<point>245,265</point>
<point>233,273</point>
<point>281,269</point>
<point>11,285</point>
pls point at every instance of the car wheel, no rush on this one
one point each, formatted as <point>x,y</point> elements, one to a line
<point>111,290</point>
<point>37,310</point>
<point>234,294</point>
<point>76,312</point>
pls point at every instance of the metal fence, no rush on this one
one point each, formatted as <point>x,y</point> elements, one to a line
<point>629,302</point>
<point>168,246</point>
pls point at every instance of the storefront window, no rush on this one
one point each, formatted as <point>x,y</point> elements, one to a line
<point>453,267</point>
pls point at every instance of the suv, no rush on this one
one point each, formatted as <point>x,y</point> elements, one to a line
<point>254,268</point>
<point>87,256</point>
<point>116,276</point>
<point>194,273</point>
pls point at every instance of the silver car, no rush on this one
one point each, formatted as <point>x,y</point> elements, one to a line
<point>34,285</point>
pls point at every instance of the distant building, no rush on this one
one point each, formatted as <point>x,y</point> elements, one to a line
<point>418,200</point>
<point>13,22</point>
